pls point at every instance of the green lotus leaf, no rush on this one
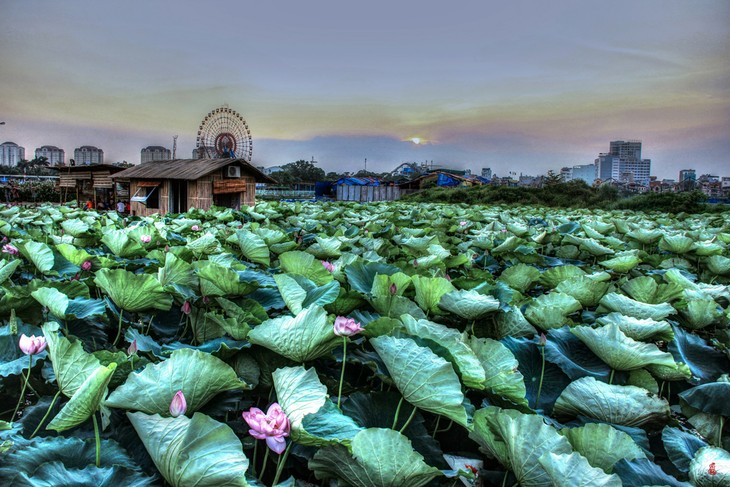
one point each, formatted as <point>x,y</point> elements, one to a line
<point>75,255</point>
<point>380,458</point>
<point>681,447</point>
<point>429,291</point>
<point>85,401</point>
<point>75,227</point>
<point>623,261</point>
<point>551,310</point>
<point>217,280</point>
<point>586,290</point>
<point>621,405</point>
<point>470,305</point>
<point>416,244</point>
<point>301,338</point>
<point>517,441</point>
<point>627,306</point>
<point>509,245</point>
<point>620,352</point>
<point>717,264</point>
<point>679,371</point>
<point>593,247</point>
<point>252,246</point>
<point>61,306</point>
<point>177,271</point>
<point>502,379</point>
<point>707,249</point>
<point>676,244</point>
<point>304,264</point>
<point>325,247</point>
<point>571,469</point>
<point>709,398</point>
<point>382,284</point>
<point>520,277</point>
<point>645,236</point>
<point>450,345</point>
<point>206,244</point>
<point>199,375</point>
<point>638,329</point>
<point>39,254</point>
<point>511,322</point>
<point>648,290</point>
<point>555,275</point>
<point>71,364</point>
<point>328,426</point>
<point>133,292</point>
<point>299,292</point>
<point>602,445</point>
<point>701,311</point>
<point>705,361</point>
<point>299,393</point>
<point>8,268</point>
<point>123,245</point>
<point>710,468</point>
<point>425,380</point>
<point>361,275</point>
<point>192,451</point>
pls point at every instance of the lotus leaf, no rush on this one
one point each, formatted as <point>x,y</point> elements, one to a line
<point>425,380</point>
<point>710,467</point>
<point>71,364</point>
<point>718,265</point>
<point>623,261</point>
<point>602,444</point>
<point>705,362</point>
<point>304,264</point>
<point>177,271</point>
<point>299,393</point>
<point>85,401</point>
<point>39,254</point>
<point>299,292</point>
<point>7,269</point>
<point>551,310</point>
<point>701,311</point>
<point>122,245</point>
<point>429,291</point>
<point>622,405</point>
<point>361,275</point>
<point>574,358</point>
<point>555,275</point>
<point>511,322</point>
<point>643,472</point>
<point>192,451</point>
<point>217,280</point>
<point>676,244</point>
<point>570,469</point>
<point>520,277</point>
<point>586,290</point>
<point>709,398</point>
<point>627,306</point>
<point>502,377</point>
<point>681,447</point>
<point>639,329</point>
<point>199,375</point>
<point>59,305</point>
<point>133,292</point>
<point>253,247</point>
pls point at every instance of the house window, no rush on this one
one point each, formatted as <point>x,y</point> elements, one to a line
<point>148,196</point>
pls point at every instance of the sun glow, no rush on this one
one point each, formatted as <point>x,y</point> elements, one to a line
<point>416,140</point>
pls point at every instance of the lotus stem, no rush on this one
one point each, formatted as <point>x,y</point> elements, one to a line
<point>397,411</point>
<point>661,389</point>
<point>719,432</point>
<point>119,328</point>
<point>610,377</point>
<point>48,411</point>
<point>253,461</point>
<point>436,427</point>
<point>504,480</point>
<point>22,391</point>
<point>542,375</point>
<point>280,463</point>
<point>342,373</point>
<point>263,465</point>
<point>98,440</point>
<point>408,421</point>
<point>472,327</point>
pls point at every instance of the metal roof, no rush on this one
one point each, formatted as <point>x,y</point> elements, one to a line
<point>188,169</point>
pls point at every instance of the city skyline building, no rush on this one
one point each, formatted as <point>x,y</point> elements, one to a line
<point>155,153</point>
<point>11,154</point>
<point>88,154</point>
<point>623,162</point>
<point>53,154</point>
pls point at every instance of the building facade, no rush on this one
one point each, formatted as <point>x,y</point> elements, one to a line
<point>584,172</point>
<point>54,155</point>
<point>88,154</point>
<point>11,154</point>
<point>155,153</point>
<point>623,163</point>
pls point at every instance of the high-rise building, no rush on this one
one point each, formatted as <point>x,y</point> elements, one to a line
<point>155,153</point>
<point>584,172</point>
<point>487,172</point>
<point>88,154</point>
<point>623,162</point>
<point>11,154</point>
<point>54,155</point>
<point>687,175</point>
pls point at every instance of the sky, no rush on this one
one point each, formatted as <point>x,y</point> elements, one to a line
<point>522,86</point>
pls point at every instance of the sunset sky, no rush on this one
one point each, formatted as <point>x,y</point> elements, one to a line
<point>524,85</point>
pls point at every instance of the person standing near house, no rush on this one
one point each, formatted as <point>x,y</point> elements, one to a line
<point>120,207</point>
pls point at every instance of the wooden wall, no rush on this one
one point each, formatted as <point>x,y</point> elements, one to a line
<point>367,193</point>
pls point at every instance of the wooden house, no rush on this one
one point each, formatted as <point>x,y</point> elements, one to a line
<point>86,182</point>
<point>178,185</point>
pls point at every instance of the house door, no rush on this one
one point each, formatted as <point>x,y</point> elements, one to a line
<point>228,200</point>
<point>178,196</point>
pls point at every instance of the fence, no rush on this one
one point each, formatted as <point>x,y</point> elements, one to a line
<point>367,193</point>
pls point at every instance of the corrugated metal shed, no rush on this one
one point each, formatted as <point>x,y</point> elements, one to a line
<point>188,169</point>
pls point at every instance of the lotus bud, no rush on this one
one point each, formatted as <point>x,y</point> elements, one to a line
<point>393,289</point>
<point>346,327</point>
<point>10,249</point>
<point>178,405</point>
<point>145,239</point>
<point>86,266</point>
<point>415,262</point>
<point>195,228</point>
<point>186,308</point>
<point>329,266</point>
<point>543,340</point>
<point>206,300</point>
<point>132,348</point>
<point>462,223</point>
<point>31,345</point>
<point>167,248</point>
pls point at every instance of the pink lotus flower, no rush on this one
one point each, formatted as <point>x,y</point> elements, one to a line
<point>273,426</point>
<point>329,266</point>
<point>86,266</point>
<point>178,405</point>
<point>10,249</point>
<point>346,327</point>
<point>462,223</point>
<point>195,228</point>
<point>393,289</point>
<point>186,308</point>
<point>145,239</point>
<point>31,345</point>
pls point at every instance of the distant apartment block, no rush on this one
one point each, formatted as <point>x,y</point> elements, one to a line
<point>583,172</point>
<point>623,163</point>
<point>155,153</point>
<point>687,175</point>
<point>54,155</point>
<point>88,154</point>
<point>11,154</point>
<point>487,172</point>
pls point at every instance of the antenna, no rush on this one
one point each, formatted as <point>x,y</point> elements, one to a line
<point>174,146</point>
<point>366,165</point>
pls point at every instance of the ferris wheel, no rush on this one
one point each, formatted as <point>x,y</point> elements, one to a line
<point>224,133</point>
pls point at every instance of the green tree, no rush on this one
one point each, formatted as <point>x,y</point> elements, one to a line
<point>301,171</point>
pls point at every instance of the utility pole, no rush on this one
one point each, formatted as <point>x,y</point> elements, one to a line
<point>366,165</point>
<point>174,147</point>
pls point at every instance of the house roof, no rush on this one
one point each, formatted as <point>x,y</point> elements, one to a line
<point>88,168</point>
<point>188,169</point>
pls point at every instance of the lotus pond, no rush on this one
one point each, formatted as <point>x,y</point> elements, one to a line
<point>382,345</point>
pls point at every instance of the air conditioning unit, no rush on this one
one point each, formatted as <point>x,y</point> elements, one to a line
<point>233,172</point>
